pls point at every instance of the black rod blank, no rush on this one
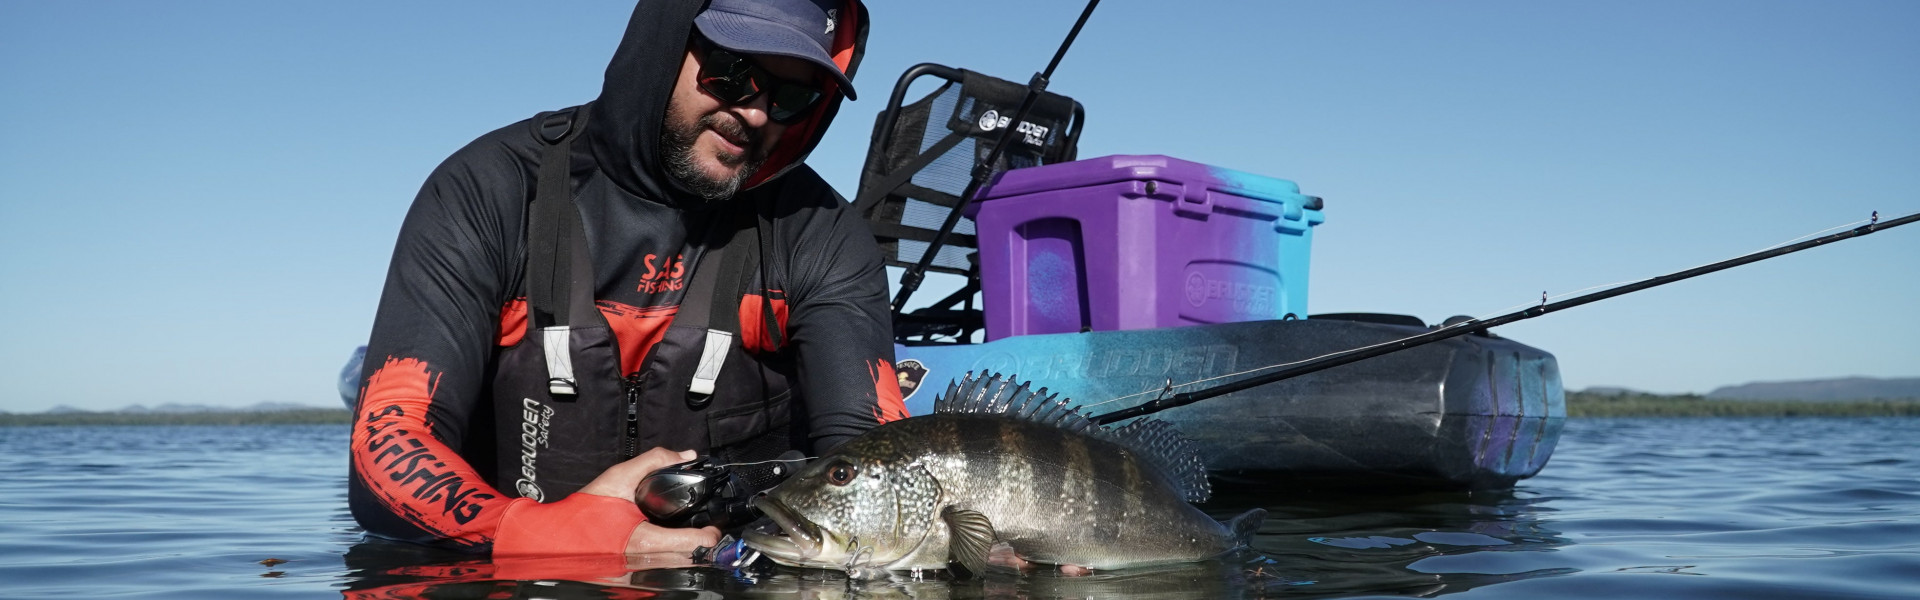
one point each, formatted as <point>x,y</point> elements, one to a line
<point>1460,329</point>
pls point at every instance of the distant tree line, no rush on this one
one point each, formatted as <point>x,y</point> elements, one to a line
<point>278,417</point>
<point>1636,404</point>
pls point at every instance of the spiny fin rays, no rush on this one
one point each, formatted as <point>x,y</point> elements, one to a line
<point>992,394</point>
<point>1160,443</point>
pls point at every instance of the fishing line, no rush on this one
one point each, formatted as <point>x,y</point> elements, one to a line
<point>771,460</point>
<point>1545,305</point>
<point>1607,286</point>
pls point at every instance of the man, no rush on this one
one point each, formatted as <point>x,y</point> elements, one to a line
<point>491,420</point>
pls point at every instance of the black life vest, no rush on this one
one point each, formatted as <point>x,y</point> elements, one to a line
<point>563,412</point>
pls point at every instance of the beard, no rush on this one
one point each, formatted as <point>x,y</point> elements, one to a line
<point>676,142</point>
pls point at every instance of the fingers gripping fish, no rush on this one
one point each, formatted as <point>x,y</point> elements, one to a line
<point>998,468</point>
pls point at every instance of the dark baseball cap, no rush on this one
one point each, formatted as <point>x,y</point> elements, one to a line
<point>802,29</point>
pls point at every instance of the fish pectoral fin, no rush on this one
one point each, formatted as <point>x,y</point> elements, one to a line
<point>971,538</point>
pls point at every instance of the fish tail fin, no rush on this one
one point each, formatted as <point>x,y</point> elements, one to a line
<point>1244,526</point>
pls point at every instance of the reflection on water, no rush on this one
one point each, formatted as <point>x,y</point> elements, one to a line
<point>1682,508</point>
<point>1376,543</point>
<point>1313,545</point>
<point>1231,577</point>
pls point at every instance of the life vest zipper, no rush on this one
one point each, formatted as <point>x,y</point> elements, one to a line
<point>632,384</point>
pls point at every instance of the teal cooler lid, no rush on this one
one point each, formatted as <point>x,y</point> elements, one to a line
<point>1198,178</point>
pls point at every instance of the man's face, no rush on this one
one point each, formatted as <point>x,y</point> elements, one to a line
<point>711,146</point>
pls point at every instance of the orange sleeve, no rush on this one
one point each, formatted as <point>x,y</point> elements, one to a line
<point>577,524</point>
<point>889,406</point>
<point>409,471</point>
<point>419,478</point>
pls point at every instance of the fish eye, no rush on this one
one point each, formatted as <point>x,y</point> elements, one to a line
<point>841,473</point>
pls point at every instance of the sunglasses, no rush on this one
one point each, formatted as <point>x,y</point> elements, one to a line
<point>734,79</point>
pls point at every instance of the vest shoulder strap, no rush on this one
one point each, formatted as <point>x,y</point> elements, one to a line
<point>713,295</point>
<point>559,271</point>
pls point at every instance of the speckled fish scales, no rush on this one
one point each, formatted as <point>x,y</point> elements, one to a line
<point>999,467</point>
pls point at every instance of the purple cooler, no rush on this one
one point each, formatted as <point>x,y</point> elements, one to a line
<point>1140,242</point>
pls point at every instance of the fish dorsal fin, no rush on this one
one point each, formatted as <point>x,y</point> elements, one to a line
<point>991,394</point>
<point>1162,446</point>
<point>1158,443</point>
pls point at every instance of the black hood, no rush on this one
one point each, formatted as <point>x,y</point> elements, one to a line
<point>624,131</point>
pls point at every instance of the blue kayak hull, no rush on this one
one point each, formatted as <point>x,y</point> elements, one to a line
<point>1473,412</point>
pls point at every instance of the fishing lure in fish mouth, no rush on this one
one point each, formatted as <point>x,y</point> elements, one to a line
<point>855,552</point>
<point>729,553</point>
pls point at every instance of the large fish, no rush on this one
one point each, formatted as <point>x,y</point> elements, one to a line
<point>997,475</point>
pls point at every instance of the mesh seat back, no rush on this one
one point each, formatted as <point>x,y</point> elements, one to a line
<point>922,157</point>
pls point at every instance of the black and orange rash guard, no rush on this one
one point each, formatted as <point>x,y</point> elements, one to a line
<point>450,445</point>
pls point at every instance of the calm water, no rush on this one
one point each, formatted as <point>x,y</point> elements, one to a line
<point>1680,508</point>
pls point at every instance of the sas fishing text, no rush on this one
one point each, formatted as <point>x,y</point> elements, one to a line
<point>402,457</point>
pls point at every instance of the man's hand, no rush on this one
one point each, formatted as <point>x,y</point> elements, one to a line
<point>619,481</point>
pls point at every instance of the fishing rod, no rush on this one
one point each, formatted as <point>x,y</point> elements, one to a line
<point>1473,325</point>
<point>910,280</point>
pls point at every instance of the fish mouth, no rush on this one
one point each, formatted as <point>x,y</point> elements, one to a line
<point>798,541</point>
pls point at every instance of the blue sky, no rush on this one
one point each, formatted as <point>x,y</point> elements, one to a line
<point>198,198</point>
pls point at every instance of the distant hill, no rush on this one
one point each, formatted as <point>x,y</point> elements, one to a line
<point>171,408</point>
<point>264,413</point>
<point>187,409</point>
<point>1581,404</point>
<point>1822,390</point>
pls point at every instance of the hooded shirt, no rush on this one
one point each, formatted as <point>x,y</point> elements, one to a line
<point>449,446</point>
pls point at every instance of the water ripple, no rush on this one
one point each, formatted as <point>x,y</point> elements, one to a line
<point>1674,508</point>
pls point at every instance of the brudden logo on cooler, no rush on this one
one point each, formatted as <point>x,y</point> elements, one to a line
<point>663,275</point>
<point>1245,298</point>
<point>1030,133</point>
